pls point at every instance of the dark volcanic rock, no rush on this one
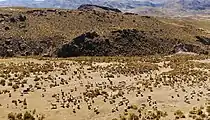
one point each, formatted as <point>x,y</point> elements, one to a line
<point>123,43</point>
<point>181,47</point>
<point>97,8</point>
<point>127,42</point>
<point>21,17</point>
<point>86,44</point>
<point>19,47</point>
<point>203,40</point>
<point>17,18</point>
<point>129,13</point>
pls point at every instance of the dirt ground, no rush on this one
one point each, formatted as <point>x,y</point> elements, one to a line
<point>167,88</point>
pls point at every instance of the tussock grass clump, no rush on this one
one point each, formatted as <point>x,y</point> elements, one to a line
<point>26,116</point>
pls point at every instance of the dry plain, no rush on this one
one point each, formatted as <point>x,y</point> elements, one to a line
<point>105,88</point>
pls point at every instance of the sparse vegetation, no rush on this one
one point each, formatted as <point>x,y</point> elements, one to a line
<point>26,116</point>
<point>129,86</point>
<point>41,32</point>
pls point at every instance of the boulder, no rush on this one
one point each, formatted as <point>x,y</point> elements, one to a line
<point>203,40</point>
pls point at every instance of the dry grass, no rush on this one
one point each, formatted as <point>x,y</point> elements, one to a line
<point>67,24</point>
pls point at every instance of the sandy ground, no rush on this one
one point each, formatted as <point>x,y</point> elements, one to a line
<point>75,91</point>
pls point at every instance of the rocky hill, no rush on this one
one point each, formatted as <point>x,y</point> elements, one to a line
<point>64,33</point>
<point>145,7</point>
<point>127,42</point>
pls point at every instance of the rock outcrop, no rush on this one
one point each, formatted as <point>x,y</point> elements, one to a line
<point>203,40</point>
<point>127,42</point>
<point>12,47</point>
<point>97,8</point>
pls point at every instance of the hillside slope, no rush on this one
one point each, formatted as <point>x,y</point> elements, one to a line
<point>148,7</point>
<point>45,31</point>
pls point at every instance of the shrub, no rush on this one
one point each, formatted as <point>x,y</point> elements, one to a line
<point>3,82</point>
<point>15,86</point>
<point>28,116</point>
<point>11,116</point>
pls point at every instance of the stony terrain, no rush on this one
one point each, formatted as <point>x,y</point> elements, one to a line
<point>55,32</point>
<point>133,67</point>
<point>105,88</point>
<point>169,8</point>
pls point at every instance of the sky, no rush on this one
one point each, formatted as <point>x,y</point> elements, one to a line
<point>35,0</point>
